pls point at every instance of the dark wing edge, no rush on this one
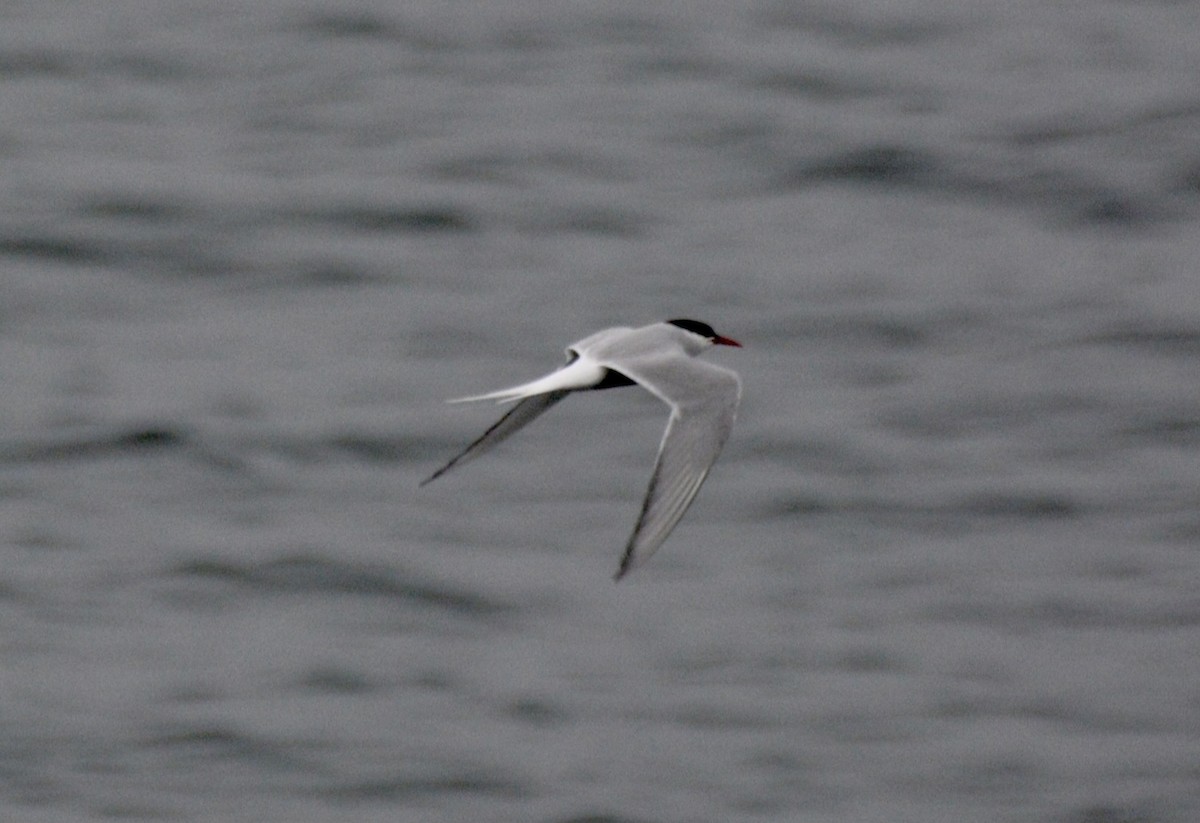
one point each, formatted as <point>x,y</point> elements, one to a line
<point>521,415</point>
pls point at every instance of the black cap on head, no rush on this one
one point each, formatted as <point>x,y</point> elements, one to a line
<point>695,326</point>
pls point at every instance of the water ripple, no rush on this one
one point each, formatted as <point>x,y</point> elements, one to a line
<point>309,574</point>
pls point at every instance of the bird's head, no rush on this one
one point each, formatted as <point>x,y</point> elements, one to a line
<point>704,331</point>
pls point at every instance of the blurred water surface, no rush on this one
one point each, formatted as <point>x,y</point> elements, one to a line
<point>946,569</point>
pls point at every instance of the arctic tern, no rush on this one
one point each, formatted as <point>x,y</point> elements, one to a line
<point>660,358</point>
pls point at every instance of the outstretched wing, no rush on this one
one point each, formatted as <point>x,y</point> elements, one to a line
<point>521,415</point>
<point>703,400</point>
<point>578,373</point>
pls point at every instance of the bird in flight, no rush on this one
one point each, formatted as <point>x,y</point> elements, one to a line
<point>660,358</point>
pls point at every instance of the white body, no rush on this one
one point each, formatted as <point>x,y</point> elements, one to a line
<point>703,399</point>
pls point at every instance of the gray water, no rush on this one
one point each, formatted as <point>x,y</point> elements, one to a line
<point>947,568</point>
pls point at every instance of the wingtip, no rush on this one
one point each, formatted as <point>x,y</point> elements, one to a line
<point>432,477</point>
<point>625,568</point>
